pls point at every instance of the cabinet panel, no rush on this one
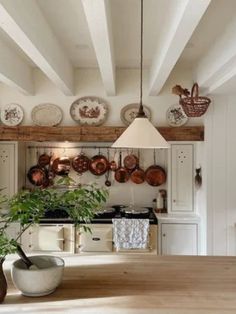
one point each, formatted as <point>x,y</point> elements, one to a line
<point>179,239</point>
<point>7,168</point>
<point>49,237</point>
<point>182,199</point>
<point>99,240</point>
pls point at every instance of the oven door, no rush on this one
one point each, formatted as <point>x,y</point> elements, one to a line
<point>99,240</point>
<point>49,238</point>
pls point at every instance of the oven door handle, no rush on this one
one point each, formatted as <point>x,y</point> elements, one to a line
<point>96,239</point>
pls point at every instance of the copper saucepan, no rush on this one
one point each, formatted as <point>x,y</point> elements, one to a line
<point>138,174</point>
<point>98,165</point>
<point>38,176</point>
<point>61,166</point>
<point>131,162</point>
<point>80,163</point>
<point>121,174</point>
<point>44,160</point>
<point>155,175</point>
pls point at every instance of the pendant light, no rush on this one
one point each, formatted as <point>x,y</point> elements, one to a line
<point>141,133</point>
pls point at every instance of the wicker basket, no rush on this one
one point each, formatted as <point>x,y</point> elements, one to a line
<point>194,105</point>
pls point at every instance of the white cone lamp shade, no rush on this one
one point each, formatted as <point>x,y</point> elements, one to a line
<point>141,134</point>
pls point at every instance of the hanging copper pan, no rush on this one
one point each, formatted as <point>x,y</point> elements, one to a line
<point>131,161</point>
<point>138,175</point>
<point>99,165</point>
<point>121,174</point>
<point>80,163</point>
<point>44,160</point>
<point>61,166</point>
<point>113,163</point>
<point>155,175</point>
<point>38,176</point>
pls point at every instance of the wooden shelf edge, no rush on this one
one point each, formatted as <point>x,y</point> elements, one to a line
<point>90,133</point>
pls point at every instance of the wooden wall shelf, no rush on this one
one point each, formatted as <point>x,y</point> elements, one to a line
<point>91,134</point>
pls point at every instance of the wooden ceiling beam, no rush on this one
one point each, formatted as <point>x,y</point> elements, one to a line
<point>218,65</point>
<point>91,134</point>
<point>14,72</point>
<point>24,22</point>
<point>181,20</point>
<point>99,22</point>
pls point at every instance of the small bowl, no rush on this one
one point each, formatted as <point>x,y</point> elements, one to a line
<point>38,282</point>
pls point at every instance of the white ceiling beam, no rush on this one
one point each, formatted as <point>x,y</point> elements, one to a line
<point>182,18</point>
<point>24,22</point>
<point>97,13</point>
<point>218,65</point>
<point>14,72</point>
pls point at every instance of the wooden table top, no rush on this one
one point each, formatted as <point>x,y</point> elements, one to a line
<point>135,283</point>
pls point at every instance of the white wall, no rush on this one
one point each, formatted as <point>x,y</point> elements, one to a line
<point>220,141</point>
<point>89,83</point>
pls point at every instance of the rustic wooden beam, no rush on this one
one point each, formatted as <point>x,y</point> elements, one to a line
<point>90,133</point>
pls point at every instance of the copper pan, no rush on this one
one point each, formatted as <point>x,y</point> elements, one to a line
<point>44,160</point>
<point>38,176</point>
<point>99,165</point>
<point>121,174</point>
<point>80,163</point>
<point>61,166</point>
<point>131,162</point>
<point>155,175</point>
<point>138,175</point>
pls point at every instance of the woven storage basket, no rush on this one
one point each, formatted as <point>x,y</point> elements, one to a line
<point>194,105</point>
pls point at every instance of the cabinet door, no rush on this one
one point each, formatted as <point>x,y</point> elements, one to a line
<point>182,178</point>
<point>7,168</point>
<point>99,240</point>
<point>179,239</point>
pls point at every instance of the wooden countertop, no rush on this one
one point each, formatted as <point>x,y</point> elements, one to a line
<point>136,283</point>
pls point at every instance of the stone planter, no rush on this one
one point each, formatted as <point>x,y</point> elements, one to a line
<point>41,281</point>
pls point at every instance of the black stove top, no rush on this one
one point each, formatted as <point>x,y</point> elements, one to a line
<point>61,216</point>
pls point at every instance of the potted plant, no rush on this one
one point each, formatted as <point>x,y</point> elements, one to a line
<point>28,206</point>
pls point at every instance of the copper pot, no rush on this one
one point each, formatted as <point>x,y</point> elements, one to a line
<point>131,162</point>
<point>38,176</point>
<point>61,166</point>
<point>80,163</point>
<point>155,175</point>
<point>44,160</point>
<point>138,176</point>
<point>121,174</point>
<point>98,165</point>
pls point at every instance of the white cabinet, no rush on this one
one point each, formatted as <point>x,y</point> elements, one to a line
<point>181,195</point>
<point>12,167</point>
<point>178,234</point>
<point>179,239</point>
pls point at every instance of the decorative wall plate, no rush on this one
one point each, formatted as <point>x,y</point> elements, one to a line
<point>89,110</point>
<point>12,114</point>
<point>46,115</point>
<point>176,116</point>
<point>129,112</point>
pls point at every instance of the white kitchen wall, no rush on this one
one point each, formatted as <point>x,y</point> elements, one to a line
<point>89,83</point>
<point>220,141</point>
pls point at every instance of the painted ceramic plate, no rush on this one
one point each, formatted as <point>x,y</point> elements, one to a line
<point>129,112</point>
<point>12,114</point>
<point>89,111</point>
<point>175,116</point>
<point>46,115</point>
